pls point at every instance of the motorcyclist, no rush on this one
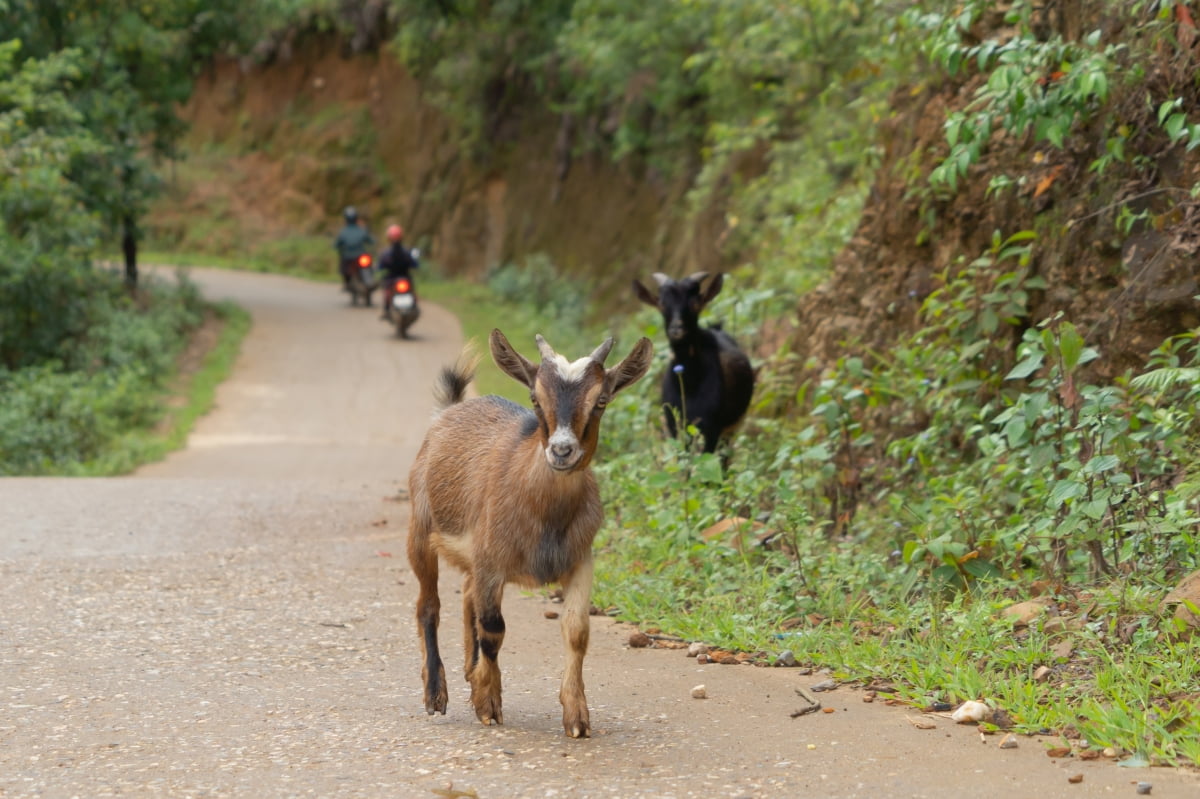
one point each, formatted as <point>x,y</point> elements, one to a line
<point>352,241</point>
<point>395,262</point>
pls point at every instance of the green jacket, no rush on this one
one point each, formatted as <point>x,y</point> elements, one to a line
<point>352,241</point>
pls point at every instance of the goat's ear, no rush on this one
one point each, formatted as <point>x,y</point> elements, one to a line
<point>631,369</point>
<point>645,296</point>
<point>511,362</point>
<point>713,289</point>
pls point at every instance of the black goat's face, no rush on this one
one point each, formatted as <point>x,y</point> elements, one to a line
<point>569,397</point>
<point>681,306</point>
<point>680,301</point>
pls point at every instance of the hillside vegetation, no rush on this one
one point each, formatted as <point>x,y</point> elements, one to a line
<point>87,354</point>
<point>961,239</point>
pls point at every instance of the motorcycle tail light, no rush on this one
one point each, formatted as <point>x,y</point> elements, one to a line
<point>364,260</point>
<point>403,286</point>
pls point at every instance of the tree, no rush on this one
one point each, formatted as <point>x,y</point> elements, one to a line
<point>46,228</point>
<point>136,60</point>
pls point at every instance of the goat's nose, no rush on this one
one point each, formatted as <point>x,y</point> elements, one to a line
<point>562,449</point>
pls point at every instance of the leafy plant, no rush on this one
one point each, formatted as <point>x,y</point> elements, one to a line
<point>64,412</point>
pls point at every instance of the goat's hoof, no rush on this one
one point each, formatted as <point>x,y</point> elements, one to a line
<point>579,729</point>
<point>490,714</point>
<point>488,721</point>
<point>436,703</point>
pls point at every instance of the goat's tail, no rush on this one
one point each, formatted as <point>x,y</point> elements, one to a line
<point>451,386</point>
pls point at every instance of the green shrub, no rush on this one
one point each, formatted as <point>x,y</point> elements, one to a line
<point>52,421</point>
<point>111,358</point>
<point>536,284</point>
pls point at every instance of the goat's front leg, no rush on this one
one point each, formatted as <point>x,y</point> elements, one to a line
<point>576,621</point>
<point>489,631</point>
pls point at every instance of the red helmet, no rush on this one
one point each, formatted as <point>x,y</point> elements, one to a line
<point>395,233</point>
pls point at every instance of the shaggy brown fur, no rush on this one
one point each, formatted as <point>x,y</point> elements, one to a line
<point>506,495</point>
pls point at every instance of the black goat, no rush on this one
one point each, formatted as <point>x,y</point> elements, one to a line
<point>709,380</point>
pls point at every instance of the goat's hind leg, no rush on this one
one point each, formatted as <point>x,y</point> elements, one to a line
<point>424,562</point>
<point>576,628</point>
<point>470,623</point>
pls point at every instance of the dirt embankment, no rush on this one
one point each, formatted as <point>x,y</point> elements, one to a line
<point>1125,292</point>
<point>294,141</point>
<point>317,129</point>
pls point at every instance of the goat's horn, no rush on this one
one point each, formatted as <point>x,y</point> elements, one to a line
<point>602,351</point>
<point>698,276</point>
<point>661,279</point>
<point>544,348</point>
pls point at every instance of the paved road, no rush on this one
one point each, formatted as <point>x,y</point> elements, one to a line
<point>237,621</point>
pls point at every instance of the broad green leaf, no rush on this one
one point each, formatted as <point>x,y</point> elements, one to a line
<point>1071,346</point>
<point>953,126</point>
<point>1065,490</point>
<point>989,322</point>
<point>659,480</point>
<point>980,568</point>
<point>1094,509</point>
<point>1175,126</point>
<point>1025,368</point>
<point>1021,235</point>
<point>1015,431</point>
<point>708,468</point>
<point>1101,463</point>
<point>1166,108</point>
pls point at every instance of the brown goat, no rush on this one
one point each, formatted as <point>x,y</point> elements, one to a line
<point>506,495</point>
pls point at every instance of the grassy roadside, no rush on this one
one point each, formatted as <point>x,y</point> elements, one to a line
<point>202,367</point>
<point>1098,670</point>
<point>1099,665</point>
<point>1094,668</point>
<point>256,262</point>
<point>479,312</point>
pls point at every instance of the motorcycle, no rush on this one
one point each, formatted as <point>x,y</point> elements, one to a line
<point>363,279</point>
<point>404,309</point>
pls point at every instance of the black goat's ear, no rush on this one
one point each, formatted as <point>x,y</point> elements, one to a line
<point>645,296</point>
<point>511,362</point>
<point>713,289</point>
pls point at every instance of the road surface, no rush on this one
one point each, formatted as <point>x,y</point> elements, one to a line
<point>237,621</point>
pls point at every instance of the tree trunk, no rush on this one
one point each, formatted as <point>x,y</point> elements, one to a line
<point>129,245</point>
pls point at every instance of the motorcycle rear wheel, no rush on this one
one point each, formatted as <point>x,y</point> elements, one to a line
<point>404,322</point>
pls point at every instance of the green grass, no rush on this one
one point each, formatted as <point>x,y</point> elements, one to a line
<point>845,604</point>
<point>479,312</point>
<point>190,397</point>
<point>289,257</point>
<point>1118,676</point>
